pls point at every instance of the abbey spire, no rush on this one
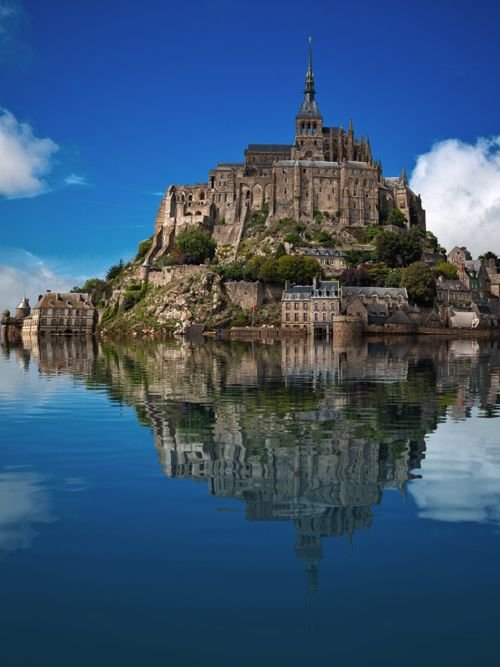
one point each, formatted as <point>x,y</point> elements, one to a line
<point>309,107</point>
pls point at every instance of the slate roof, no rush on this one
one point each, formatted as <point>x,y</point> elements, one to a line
<point>269,148</point>
<point>393,292</point>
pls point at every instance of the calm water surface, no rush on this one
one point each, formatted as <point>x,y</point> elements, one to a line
<point>237,504</point>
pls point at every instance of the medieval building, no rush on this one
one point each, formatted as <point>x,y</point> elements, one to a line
<point>326,173</point>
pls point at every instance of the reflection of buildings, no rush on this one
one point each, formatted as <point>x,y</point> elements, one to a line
<point>298,431</point>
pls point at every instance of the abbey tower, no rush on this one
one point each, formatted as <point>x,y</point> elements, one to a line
<point>325,172</point>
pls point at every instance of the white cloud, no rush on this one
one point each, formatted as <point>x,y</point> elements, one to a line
<point>23,273</point>
<point>74,179</point>
<point>461,473</point>
<point>460,188</point>
<point>24,502</point>
<point>25,160</point>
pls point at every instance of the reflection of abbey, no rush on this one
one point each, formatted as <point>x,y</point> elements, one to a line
<point>278,427</point>
<point>326,172</point>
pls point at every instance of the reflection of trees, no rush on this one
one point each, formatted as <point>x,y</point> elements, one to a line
<point>302,431</point>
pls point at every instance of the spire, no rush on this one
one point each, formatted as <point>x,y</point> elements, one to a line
<point>309,91</point>
<point>309,107</point>
<point>403,177</point>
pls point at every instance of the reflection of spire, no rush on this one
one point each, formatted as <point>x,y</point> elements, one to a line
<point>308,548</point>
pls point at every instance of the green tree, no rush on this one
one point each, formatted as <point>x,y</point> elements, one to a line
<point>396,217</point>
<point>397,250</point>
<point>393,278</point>
<point>99,289</point>
<point>447,270</point>
<point>196,245</point>
<point>356,277</point>
<point>420,283</point>
<point>298,269</point>
<point>115,270</point>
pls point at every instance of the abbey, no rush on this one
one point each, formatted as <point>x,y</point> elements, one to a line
<point>326,173</point>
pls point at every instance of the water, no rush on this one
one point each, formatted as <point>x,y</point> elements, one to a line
<point>237,504</point>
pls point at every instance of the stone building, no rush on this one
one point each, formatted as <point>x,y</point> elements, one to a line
<point>326,172</point>
<point>332,261</point>
<point>310,307</point>
<point>61,313</point>
<point>472,273</point>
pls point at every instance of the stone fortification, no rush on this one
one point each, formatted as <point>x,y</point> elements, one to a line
<point>326,173</point>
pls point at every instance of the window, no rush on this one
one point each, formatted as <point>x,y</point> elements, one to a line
<point>287,305</point>
<point>305,317</point>
<point>295,317</point>
<point>296,306</point>
<point>288,317</point>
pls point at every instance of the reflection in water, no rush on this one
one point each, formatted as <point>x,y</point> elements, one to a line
<point>24,502</point>
<point>305,432</point>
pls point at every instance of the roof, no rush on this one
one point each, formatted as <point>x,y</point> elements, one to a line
<point>464,319</point>
<point>393,292</point>
<point>24,303</point>
<point>269,148</point>
<point>323,164</point>
<point>315,252</point>
<point>453,285</point>
<point>309,109</point>
<point>298,292</point>
<point>65,300</point>
<point>399,317</point>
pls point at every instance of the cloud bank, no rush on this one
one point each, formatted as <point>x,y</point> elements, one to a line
<point>460,188</point>
<point>23,273</point>
<point>25,160</point>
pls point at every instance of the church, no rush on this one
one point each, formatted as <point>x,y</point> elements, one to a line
<point>326,174</point>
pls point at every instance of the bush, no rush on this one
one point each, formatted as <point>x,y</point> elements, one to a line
<point>324,239</point>
<point>396,218</point>
<point>370,232</point>
<point>196,245</point>
<point>132,296</point>
<point>143,249</point>
<point>294,238</point>
<point>233,271</point>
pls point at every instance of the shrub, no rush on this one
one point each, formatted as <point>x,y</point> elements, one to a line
<point>196,245</point>
<point>143,248</point>
<point>294,238</point>
<point>396,217</point>
<point>324,238</point>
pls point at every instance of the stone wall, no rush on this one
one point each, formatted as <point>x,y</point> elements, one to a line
<point>245,294</point>
<point>170,273</point>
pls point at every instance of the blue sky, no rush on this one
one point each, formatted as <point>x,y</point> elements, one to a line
<point>135,96</point>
